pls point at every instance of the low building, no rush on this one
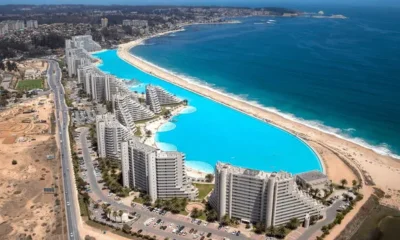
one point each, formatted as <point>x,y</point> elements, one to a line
<point>313,179</point>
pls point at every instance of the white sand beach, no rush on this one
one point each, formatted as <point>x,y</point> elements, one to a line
<point>336,153</point>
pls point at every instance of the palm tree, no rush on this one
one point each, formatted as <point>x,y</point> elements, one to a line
<point>281,232</point>
<point>195,212</point>
<point>212,215</point>
<point>108,212</point>
<point>355,185</point>
<point>343,182</point>
<point>120,213</point>
<point>293,223</point>
<point>271,231</point>
<point>115,214</point>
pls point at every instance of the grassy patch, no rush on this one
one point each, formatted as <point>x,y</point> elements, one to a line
<point>83,207</point>
<point>145,120</point>
<point>183,212</point>
<point>30,84</point>
<point>203,217</point>
<point>204,189</point>
<point>138,132</point>
<point>138,200</point>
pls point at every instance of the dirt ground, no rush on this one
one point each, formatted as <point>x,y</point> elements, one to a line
<point>24,206</point>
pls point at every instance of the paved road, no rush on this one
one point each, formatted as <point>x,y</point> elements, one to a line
<point>330,216</point>
<point>145,214</point>
<point>54,81</point>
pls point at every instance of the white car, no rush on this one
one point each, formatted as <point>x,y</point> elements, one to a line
<point>67,203</point>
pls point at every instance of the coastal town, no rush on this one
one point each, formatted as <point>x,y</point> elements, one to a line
<point>109,177</point>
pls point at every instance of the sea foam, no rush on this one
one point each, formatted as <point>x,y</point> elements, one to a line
<point>382,148</point>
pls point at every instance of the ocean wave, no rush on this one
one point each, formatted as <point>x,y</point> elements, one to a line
<point>382,148</point>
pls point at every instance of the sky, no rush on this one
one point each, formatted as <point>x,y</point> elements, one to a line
<point>210,2</point>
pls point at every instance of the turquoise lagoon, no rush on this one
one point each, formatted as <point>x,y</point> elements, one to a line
<point>208,132</point>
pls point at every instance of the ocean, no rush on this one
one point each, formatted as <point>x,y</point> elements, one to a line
<point>338,75</point>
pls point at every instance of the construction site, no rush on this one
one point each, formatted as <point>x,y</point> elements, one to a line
<point>31,195</point>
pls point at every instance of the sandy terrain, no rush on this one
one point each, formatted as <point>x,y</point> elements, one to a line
<point>25,208</point>
<point>337,154</point>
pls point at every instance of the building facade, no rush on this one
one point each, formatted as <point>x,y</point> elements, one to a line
<point>104,22</point>
<point>83,41</point>
<point>128,110</point>
<point>157,96</point>
<point>160,174</point>
<point>257,196</point>
<point>32,24</point>
<point>110,135</point>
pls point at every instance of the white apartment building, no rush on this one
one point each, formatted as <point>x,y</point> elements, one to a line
<point>160,174</point>
<point>110,135</point>
<point>104,22</point>
<point>128,109</point>
<point>3,28</point>
<point>135,23</point>
<point>100,86</point>
<point>14,25</point>
<point>83,41</point>
<point>31,24</point>
<point>257,196</point>
<point>156,97</point>
<point>75,58</point>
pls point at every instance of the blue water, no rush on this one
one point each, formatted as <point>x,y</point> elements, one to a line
<point>208,132</point>
<point>342,76</point>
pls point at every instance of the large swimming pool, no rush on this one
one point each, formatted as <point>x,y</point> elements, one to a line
<point>208,131</point>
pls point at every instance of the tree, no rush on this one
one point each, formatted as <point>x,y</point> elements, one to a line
<point>354,182</point>
<point>281,232</point>
<point>259,228</point>
<point>108,212</point>
<point>209,177</point>
<point>167,113</point>
<point>147,200</point>
<point>14,162</point>
<point>9,67</point>
<point>196,213</point>
<point>271,231</point>
<point>120,213</point>
<point>158,203</point>
<point>126,228</point>
<point>343,182</point>
<point>115,214</point>
<point>313,219</point>
<point>225,220</point>
<point>212,215</point>
<point>148,133</point>
<point>293,223</point>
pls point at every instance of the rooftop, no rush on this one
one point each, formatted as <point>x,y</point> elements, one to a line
<point>312,175</point>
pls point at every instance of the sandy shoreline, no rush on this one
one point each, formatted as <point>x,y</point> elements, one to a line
<point>336,153</point>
